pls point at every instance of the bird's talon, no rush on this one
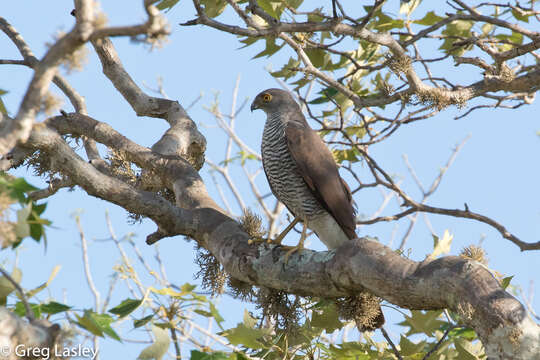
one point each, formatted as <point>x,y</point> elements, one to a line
<point>292,251</point>
<point>256,240</point>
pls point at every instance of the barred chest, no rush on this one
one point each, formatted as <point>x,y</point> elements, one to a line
<point>283,175</point>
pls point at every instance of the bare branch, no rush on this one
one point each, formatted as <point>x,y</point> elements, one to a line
<point>88,274</point>
<point>27,308</point>
<point>392,345</point>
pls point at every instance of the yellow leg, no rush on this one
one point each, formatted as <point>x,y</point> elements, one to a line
<point>280,237</point>
<point>300,244</point>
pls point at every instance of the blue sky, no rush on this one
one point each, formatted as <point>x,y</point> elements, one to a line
<point>496,173</point>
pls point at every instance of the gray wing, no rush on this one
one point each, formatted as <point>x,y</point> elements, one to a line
<point>320,172</point>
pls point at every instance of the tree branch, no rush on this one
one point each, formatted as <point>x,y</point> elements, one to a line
<point>182,138</point>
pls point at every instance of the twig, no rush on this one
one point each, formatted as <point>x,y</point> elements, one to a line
<point>24,300</point>
<point>230,183</point>
<point>112,285</point>
<point>438,344</point>
<point>54,186</point>
<point>176,343</point>
<point>394,348</point>
<point>88,274</point>
<point>86,264</point>
<point>160,263</point>
<point>125,258</point>
<point>434,185</point>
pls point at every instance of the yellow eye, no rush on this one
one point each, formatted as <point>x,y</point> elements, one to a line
<point>266,98</point>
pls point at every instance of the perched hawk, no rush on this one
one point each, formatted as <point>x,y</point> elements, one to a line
<point>302,172</point>
<point>304,176</point>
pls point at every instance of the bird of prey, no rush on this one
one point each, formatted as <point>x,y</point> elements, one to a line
<point>302,172</point>
<point>303,175</point>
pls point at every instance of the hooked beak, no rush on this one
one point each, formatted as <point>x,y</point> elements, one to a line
<point>254,105</point>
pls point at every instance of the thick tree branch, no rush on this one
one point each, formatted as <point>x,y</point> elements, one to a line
<point>19,128</point>
<point>95,183</point>
<point>182,138</point>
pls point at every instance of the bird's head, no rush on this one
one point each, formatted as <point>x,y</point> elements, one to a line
<point>273,100</point>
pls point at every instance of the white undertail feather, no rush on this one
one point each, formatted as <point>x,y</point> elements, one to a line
<point>328,231</point>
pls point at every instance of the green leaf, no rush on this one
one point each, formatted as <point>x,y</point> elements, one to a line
<point>243,335</point>
<point>246,333</point>
<point>39,208</point>
<point>166,4</point>
<point>270,49</point>
<point>487,28</point>
<point>423,322</point>
<point>408,348</point>
<point>37,224</point>
<point>160,346</point>
<point>184,290</point>
<point>97,324</point>
<point>516,38</point>
<point>429,19</point>
<point>467,350</point>
<point>294,3</point>
<point>356,130</point>
<point>104,321</point>
<point>125,307</point>
<point>316,15</point>
<point>20,309</point>
<point>319,58</point>
<point>350,350</point>
<point>458,28</point>
<point>466,333</point>
<point>300,83</point>
<point>36,231</point>
<point>143,321</point>
<point>187,288</point>
<point>19,187</point>
<point>87,322</point>
<point>327,93</point>
<point>244,156</point>
<point>198,355</point>
<point>273,8</point>
<point>351,155</point>
<point>326,318</point>
<point>387,23</point>
<point>506,281</point>
<point>219,319</point>
<point>520,15</point>
<point>202,312</point>
<point>286,71</point>
<point>213,8</point>
<point>6,287</point>
<point>249,320</point>
<point>319,100</point>
<point>54,307</point>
